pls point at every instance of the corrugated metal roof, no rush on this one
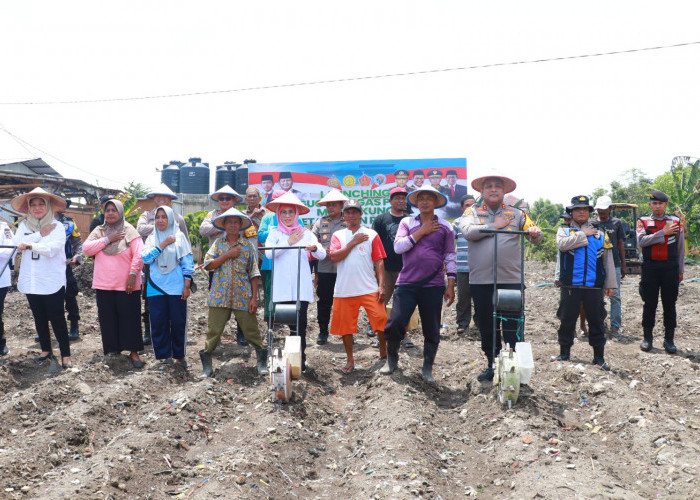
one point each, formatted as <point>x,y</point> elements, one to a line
<point>37,165</point>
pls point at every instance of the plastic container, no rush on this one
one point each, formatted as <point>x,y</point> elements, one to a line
<point>525,361</point>
<point>292,350</point>
<point>280,377</point>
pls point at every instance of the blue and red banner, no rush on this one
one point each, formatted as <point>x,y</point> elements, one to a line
<point>367,180</point>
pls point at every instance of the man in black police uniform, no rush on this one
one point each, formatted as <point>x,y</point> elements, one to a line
<point>662,239</point>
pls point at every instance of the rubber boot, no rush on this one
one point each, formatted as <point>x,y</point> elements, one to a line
<point>599,357</point>
<point>669,346</point>
<point>240,338</point>
<point>392,360</point>
<point>429,352</point>
<point>207,370</point>
<point>646,344</point>
<point>262,361</point>
<point>146,333</point>
<point>564,353</point>
<point>74,332</point>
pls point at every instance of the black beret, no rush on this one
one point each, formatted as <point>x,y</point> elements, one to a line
<point>267,177</point>
<point>658,196</point>
<point>285,175</point>
<point>451,172</point>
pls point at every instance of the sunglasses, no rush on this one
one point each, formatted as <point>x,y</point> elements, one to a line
<point>225,198</point>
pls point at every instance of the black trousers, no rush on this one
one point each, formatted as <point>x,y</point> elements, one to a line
<point>118,313</point>
<point>3,293</point>
<point>659,275</point>
<point>510,327</point>
<point>464,301</point>
<point>146,315</point>
<point>429,302</point>
<point>570,301</point>
<point>71,295</point>
<point>325,289</point>
<point>49,308</point>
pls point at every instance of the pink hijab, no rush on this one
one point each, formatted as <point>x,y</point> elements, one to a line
<point>295,224</point>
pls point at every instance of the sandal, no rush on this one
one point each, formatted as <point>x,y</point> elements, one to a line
<point>375,343</point>
<point>461,330</point>
<point>348,369</point>
<point>408,344</point>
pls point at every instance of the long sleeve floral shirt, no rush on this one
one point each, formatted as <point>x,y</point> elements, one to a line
<point>230,286</point>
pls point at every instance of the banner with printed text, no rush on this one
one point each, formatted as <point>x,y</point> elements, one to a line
<point>367,180</point>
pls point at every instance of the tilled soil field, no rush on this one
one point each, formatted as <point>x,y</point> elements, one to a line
<point>103,430</point>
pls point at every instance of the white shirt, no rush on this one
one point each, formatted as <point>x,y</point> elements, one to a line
<point>5,239</point>
<point>284,284</point>
<point>356,275</point>
<point>43,269</point>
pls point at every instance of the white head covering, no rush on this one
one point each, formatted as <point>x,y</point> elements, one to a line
<point>169,257</point>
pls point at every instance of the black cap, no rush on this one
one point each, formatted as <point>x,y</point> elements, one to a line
<point>285,175</point>
<point>580,201</point>
<point>451,172</point>
<point>267,177</point>
<point>418,172</point>
<point>106,198</point>
<point>566,214</point>
<point>658,196</point>
<point>434,173</point>
<point>401,173</point>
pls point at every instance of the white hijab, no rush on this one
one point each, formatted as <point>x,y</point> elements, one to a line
<point>169,258</point>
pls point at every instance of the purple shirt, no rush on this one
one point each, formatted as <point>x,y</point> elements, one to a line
<point>434,252</point>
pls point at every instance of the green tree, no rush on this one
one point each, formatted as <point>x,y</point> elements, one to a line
<point>544,210</point>
<point>682,185</point>
<point>200,244</point>
<point>137,189</point>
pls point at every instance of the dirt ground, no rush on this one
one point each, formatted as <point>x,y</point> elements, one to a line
<point>103,430</point>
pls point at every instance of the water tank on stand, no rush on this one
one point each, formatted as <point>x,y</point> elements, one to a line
<point>170,175</point>
<point>226,175</point>
<point>242,177</point>
<point>194,177</point>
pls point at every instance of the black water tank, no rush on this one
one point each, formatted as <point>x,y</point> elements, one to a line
<point>226,175</point>
<point>242,177</point>
<point>194,177</point>
<point>170,176</point>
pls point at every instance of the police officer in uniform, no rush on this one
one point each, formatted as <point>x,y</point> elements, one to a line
<point>401,177</point>
<point>74,257</point>
<point>586,268</point>
<point>662,239</point>
<point>323,229</point>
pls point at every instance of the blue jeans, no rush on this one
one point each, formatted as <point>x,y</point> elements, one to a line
<point>616,304</point>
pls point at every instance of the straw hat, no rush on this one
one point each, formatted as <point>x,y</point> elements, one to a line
<point>21,202</point>
<point>509,184</point>
<point>413,196</point>
<point>331,196</point>
<point>232,212</point>
<point>288,198</point>
<point>162,190</point>
<point>226,190</point>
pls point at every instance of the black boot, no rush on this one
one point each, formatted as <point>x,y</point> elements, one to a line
<point>599,357</point>
<point>207,370</point>
<point>147,333</point>
<point>74,333</point>
<point>322,338</point>
<point>646,344</point>
<point>262,361</point>
<point>486,374</point>
<point>240,338</point>
<point>429,352</point>
<point>3,346</point>
<point>564,353</point>
<point>392,360</point>
<point>669,346</point>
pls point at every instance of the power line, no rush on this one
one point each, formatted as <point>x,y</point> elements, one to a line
<point>354,79</point>
<point>25,145</point>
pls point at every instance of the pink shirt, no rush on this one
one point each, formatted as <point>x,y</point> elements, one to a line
<point>111,271</point>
